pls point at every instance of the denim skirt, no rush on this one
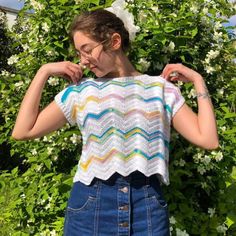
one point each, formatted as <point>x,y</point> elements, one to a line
<point>119,206</point>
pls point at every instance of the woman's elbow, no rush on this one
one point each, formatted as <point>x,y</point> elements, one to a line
<point>211,145</point>
<point>18,136</point>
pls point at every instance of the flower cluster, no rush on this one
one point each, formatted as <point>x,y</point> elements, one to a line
<point>12,60</point>
<point>53,81</point>
<point>75,138</point>
<point>45,27</point>
<point>36,5</point>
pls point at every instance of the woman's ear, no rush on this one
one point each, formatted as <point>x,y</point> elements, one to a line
<point>116,41</point>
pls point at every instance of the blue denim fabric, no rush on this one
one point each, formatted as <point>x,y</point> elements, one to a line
<point>119,206</point>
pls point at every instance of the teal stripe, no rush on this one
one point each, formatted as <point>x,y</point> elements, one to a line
<point>78,90</point>
<point>148,136</point>
<point>156,155</point>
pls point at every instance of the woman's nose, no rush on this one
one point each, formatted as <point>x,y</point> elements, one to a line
<point>84,60</point>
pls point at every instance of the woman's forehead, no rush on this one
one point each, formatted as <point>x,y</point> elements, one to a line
<point>81,39</point>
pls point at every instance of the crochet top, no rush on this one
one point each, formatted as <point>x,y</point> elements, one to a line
<point>125,124</point>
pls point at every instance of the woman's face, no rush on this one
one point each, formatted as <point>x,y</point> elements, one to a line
<point>92,54</point>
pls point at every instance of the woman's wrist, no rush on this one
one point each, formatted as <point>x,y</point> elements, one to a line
<point>201,88</point>
<point>44,71</point>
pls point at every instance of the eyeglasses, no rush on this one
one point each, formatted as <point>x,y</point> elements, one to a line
<point>88,53</point>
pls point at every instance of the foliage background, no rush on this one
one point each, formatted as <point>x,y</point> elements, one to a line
<point>36,176</point>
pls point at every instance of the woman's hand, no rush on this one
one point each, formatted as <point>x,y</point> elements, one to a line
<point>66,69</point>
<point>179,72</point>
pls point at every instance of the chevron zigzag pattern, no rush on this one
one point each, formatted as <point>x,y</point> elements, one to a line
<point>124,122</point>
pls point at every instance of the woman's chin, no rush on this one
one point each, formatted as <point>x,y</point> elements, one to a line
<point>98,73</point>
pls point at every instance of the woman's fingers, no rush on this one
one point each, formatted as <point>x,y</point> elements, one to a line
<point>68,70</point>
<point>175,72</point>
<point>174,69</point>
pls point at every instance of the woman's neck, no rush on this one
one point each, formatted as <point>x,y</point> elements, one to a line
<point>123,68</point>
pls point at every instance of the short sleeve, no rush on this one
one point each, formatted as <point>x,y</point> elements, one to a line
<point>173,98</point>
<point>67,101</point>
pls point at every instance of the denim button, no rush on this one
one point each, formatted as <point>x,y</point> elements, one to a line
<point>124,224</point>
<point>124,208</point>
<point>124,189</point>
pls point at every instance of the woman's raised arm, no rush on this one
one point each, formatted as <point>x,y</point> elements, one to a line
<point>200,129</point>
<point>32,123</point>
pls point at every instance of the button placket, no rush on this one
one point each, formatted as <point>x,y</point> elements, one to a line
<point>124,210</point>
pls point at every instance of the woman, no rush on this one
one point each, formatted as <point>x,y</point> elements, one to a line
<point>124,117</point>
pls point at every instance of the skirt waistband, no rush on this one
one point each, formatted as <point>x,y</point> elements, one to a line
<point>133,178</point>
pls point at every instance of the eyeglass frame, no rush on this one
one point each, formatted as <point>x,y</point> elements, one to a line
<point>89,54</point>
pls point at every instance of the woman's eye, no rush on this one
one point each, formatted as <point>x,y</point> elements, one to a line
<point>87,51</point>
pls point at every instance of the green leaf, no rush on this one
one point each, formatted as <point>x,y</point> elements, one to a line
<point>194,32</point>
<point>229,221</point>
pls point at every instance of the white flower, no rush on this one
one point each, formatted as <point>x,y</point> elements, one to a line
<point>207,60</point>
<point>218,25</point>
<point>172,220</point>
<point>217,36</point>
<point>220,91</point>
<point>179,232</point>
<point>206,160</point>
<point>36,5</point>
<point>48,206</point>
<point>5,73</point>
<point>204,185</point>
<point>223,128</point>
<point>221,228</point>
<point>45,27</point>
<point>12,60</point>
<point>19,85</point>
<point>209,69</point>
<point>118,8</point>
<point>50,53</point>
<point>53,81</point>
<point>194,9</point>
<point>192,93</point>
<point>212,54</point>
<point>22,195</point>
<point>25,47</point>
<point>39,168</point>
<point>42,201</point>
<point>204,20</point>
<point>211,211</point>
<point>217,155</point>
<point>170,48</point>
<point>75,138</point>
<point>53,233</point>
<point>155,9</point>
<point>179,84</point>
<point>201,169</point>
<point>205,10</point>
<point>181,162</point>
<point>45,139</point>
<point>49,150</point>
<point>34,152</point>
<point>144,63</point>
